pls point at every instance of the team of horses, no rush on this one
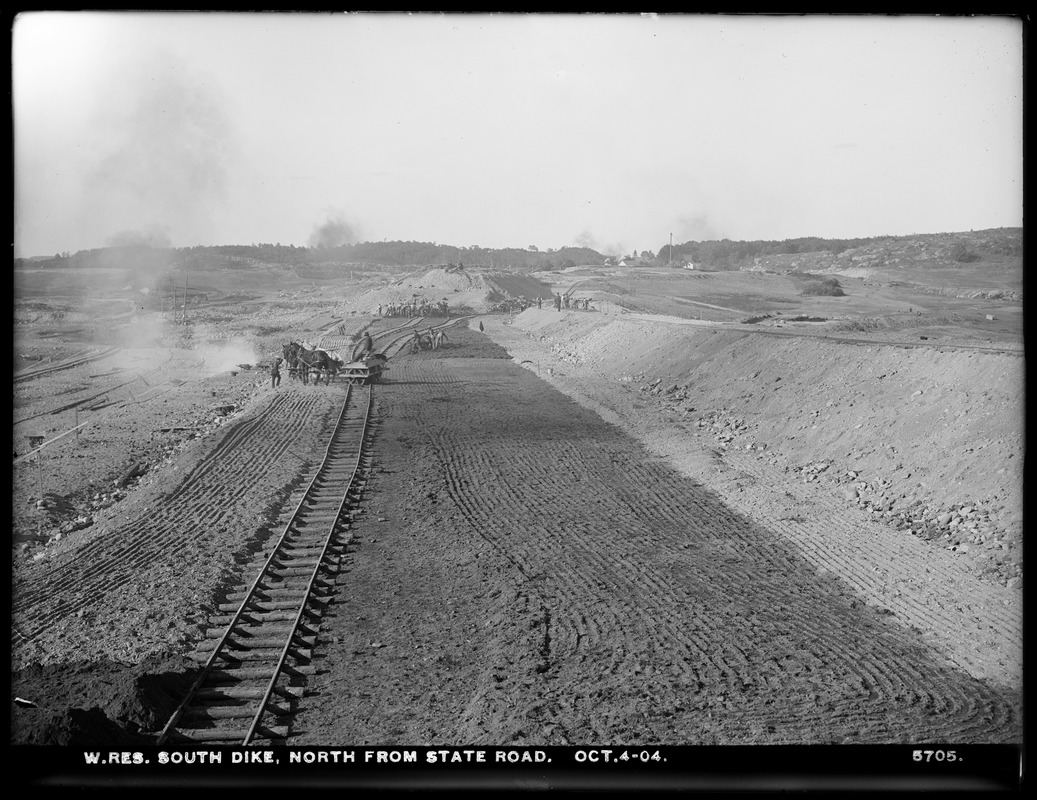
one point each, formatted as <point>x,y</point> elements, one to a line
<point>302,361</point>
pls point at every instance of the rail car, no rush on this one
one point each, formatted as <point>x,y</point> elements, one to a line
<point>366,371</point>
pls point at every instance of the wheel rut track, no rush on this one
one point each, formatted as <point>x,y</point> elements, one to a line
<point>63,365</point>
<point>632,560</point>
<point>264,633</point>
<point>207,492</point>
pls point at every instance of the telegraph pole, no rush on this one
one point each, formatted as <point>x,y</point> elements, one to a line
<point>669,263</point>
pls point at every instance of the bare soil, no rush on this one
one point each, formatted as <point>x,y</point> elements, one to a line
<point>579,527</point>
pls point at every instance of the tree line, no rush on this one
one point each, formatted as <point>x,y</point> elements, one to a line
<point>389,253</point>
<point>726,254</point>
<point>723,254</point>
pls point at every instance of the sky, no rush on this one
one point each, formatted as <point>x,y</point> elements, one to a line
<point>613,131</point>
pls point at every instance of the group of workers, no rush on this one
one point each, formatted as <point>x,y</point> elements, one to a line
<point>414,309</point>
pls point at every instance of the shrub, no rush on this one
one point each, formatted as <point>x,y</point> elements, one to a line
<point>827,288</point>
<point>962,254</point>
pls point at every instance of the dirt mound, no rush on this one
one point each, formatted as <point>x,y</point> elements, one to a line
<point>96,703</point>
<point>463,289</point>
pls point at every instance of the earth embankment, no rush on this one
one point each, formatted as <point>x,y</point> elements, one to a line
<point>897,469</point>
<point>526,573</point>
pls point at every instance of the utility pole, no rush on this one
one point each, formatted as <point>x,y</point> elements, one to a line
<point>669,263</point>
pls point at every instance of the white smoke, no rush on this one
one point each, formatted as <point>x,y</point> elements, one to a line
<point>163,142</point>
<point>224,355</point>
<point>696,228</point>
<point>587,239</point>
<point>334,231</point>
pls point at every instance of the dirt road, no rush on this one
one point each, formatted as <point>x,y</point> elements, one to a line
<point>527,573</point>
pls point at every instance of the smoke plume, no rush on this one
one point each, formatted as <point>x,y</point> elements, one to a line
<point>163,145</point>
<point>698,228</point>
<point>333,232</point>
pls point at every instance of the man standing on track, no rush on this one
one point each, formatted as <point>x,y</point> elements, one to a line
<point>368,346</point>
<point>275,374</point>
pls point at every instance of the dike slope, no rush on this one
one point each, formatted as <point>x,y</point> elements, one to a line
<point>897,468</point>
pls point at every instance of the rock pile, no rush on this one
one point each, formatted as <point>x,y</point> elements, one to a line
<point>966,528</point>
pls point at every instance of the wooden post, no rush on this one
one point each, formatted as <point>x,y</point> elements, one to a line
<point>185,299</point>
<point>172,297</point>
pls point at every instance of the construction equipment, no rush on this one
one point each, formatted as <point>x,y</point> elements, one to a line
<point>366,371</point>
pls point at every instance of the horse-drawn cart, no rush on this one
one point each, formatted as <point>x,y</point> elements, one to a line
<point>365,371</point>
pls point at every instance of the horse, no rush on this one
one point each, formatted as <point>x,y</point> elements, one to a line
<point>438,339</point>
<point>305,360</point>
<point>319,361</point>
<point>290,353</point>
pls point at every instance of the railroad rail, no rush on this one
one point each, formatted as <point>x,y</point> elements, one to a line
<point>68,363</point>
<point>346,346</point>
<point>397,342</point>
<point>388,342</point>
<point>251,680</point>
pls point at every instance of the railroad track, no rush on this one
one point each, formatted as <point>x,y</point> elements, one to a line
<point>75,361</point>
<point>400,337</point>
<point>263,635</point>
<point>343,344</point>
<point>388,342</point>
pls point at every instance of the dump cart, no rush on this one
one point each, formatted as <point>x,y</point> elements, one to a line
<point>366,371</point>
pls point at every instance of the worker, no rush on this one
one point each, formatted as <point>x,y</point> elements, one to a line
<point>368,346</point>
<point>275,374</point>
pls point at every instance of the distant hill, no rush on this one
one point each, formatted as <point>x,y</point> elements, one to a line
<point>347,257</point>
<point>997,251</point>
<point>974,264</point>
<point>813,254</point>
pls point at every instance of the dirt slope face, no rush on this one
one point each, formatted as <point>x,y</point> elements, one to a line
<point>527,573</point>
